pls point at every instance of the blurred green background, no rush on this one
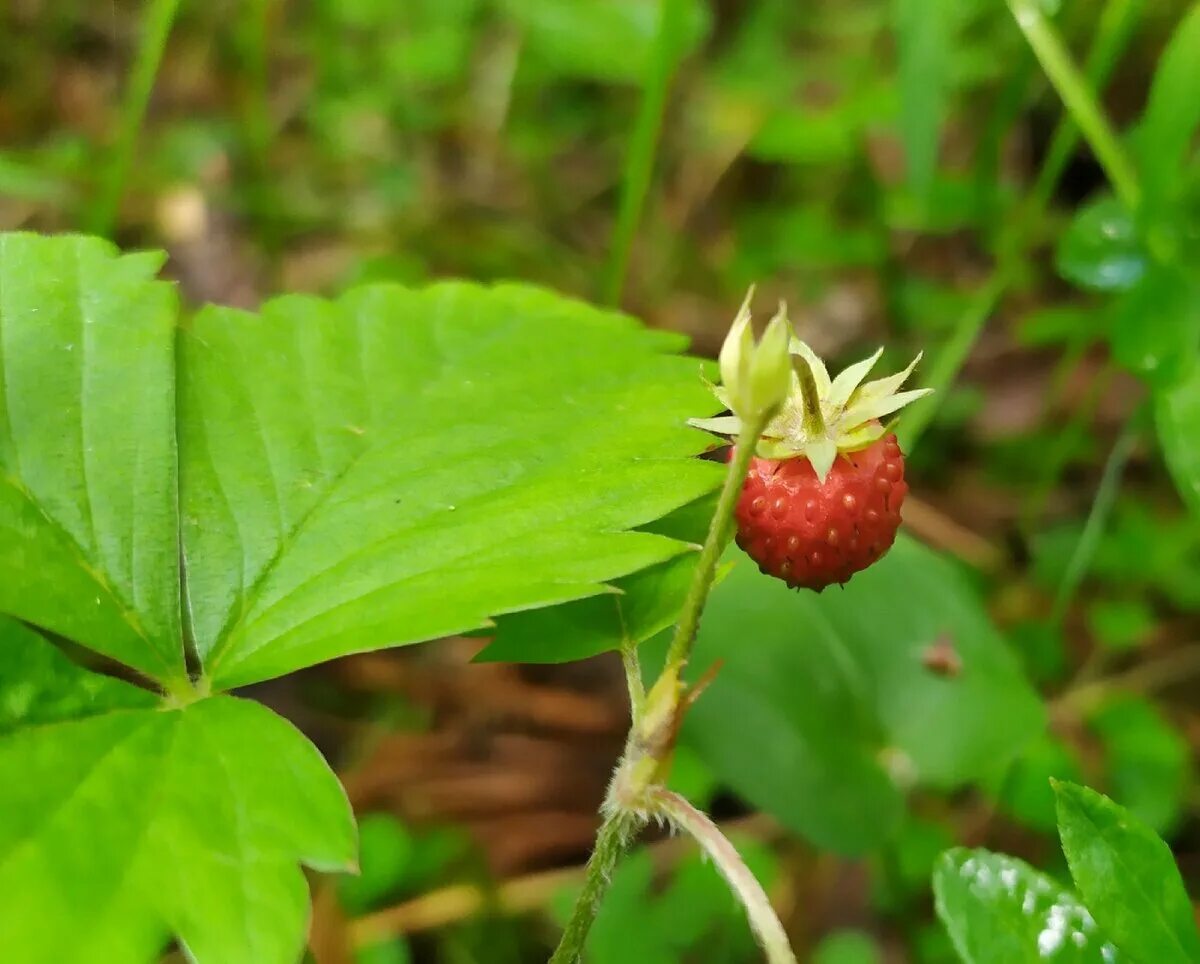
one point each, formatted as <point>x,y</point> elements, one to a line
<point>901,172</point>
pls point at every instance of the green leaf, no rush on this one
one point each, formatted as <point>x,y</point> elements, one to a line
<point>999,910</point>
<point>386,851</point>
<point>38,684</point>
<point>924,35</point>
<point>639,607</point>
<point>1155,325</point>
<point>794,661</point>
<point>125,829</point>
<point>1127,876</point>
<point>603,40</point>
<point>1121,623</point>
<point>1022,788</point>
<point>1149,762</point>
<point>1101,249</point>
<point>1163,139</point>
<point>388,468</point>
<point>88,533</point>
<point>1177,417</point>
<point>847,947</point>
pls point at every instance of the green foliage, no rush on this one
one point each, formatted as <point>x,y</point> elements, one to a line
<point>1177,415</point>
<point>336,476</point>
<point>1127,877</point>
<point>1148,760</point>
<point>792,662</point>
<point>999,910</point>
<point>847,947</point>
<point>1131,905</point>
<point>127,826</point>
<point>604,40</point>
<point>1163,139</point>
<point>924,40</point>
<point>1101,248</point>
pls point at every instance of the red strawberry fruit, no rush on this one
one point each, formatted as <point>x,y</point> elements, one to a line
<point>822,499</point>
<point>811,533</point>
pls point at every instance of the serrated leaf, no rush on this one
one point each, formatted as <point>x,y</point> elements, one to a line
<point>794,661</point>
<point>1101,249</point>
<point>127,828</point>
<point>88,541</point>
<point>38,684</point>
<point>1127,876</point>
<point>1164,135</point>
<point>1177,416</point>
<point>999,910</point>
<point>388,468</point>
<point>639,607</point>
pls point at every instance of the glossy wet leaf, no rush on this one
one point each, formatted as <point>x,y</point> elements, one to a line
<point>126,828</point>
<point>88,528</point>
<point>1101,249</point>
<point>1127,876</point>
<point>1177,413</point>
<point>791,662</point>
<point>999,910</point>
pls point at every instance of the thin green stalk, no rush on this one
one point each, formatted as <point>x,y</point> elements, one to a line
<point>1093,529</point>
<point>719,532</point>
<point>1112,35</point>
<point>639,160</point>
<point>614,839</point>
<point>1074,92</point>
<point>1115,27</point>
<point>156,28</point>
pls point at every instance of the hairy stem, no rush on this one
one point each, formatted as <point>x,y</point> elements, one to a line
<point>631,797</point>
<point>639,161</point>
<point>763,920</point>
<point>155,29</point>
<point>614,839</point>
<point>719,532</point>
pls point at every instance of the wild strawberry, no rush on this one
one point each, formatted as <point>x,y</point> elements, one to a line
<point>822,499</point>
<point>811,533</point>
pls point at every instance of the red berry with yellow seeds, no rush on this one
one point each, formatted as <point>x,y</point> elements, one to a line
<point>822,498</point>
<point>812,534</point>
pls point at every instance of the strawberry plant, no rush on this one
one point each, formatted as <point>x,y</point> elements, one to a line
<point>202,505</point>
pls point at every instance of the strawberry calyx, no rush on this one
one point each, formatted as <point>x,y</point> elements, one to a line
<point>821,417</point>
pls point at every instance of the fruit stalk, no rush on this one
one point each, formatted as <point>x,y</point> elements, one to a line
<point>632,799</point>
<point>719,533</point>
